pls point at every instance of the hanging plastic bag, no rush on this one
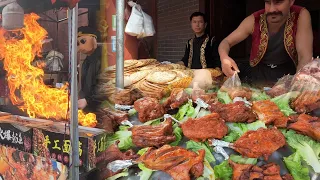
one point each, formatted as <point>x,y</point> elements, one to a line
<point>281,87</point>
<point>232,86</point>
<point>148,27</point>
<point>134,25</point>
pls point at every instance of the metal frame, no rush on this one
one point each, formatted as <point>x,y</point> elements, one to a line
<point>120,43</point>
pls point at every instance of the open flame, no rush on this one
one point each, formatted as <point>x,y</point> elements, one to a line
<point>27,89</point>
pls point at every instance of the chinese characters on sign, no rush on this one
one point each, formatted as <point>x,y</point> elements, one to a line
<point>65,147</point>
<point>11,136</point>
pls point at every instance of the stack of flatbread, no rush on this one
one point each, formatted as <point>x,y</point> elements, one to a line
<point>147,75</point>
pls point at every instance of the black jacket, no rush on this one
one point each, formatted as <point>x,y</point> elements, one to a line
<point>90,71</point>
<point>211,52</point>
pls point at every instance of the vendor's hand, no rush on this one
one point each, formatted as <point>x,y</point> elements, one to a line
<point>82,103</point>
<point>229,67</point>
<point>202,79</point>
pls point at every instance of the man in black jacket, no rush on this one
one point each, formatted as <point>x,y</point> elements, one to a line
<point>202,50</point>
<point>87,44</point>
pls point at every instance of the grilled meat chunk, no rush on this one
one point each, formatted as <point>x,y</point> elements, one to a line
<point>307,101</point>
<point>111,154</point>
<point>127,97</point>
<point>177,98</point>
<point>238,92</point>
<point>176,161</point>
<point>206,97</point>
<point>234,112</point>
<point>148,135</point>
<point>262,142</point>
<point>269,113</point>
<point>269,171</point>
<point>148,109</point>
<point>307,125</point>
<point>201,129</point>
<point>110,119</point>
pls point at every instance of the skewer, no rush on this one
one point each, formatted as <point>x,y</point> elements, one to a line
<point>247,103</point>
<point>118,165</point>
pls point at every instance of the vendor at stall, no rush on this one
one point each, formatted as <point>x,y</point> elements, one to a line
<point>87,44</point>
<point>281,41</point>
<point>201,51</point>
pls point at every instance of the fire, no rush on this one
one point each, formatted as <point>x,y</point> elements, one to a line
<point>27,89</point>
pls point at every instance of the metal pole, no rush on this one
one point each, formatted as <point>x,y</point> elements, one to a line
<point>120,40</point>
<point>74,131</point>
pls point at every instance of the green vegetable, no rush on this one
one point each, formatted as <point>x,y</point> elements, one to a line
<point>306,147</point>
<point>185,110</point>
<point>132,112</point>
<point>208,172</point>
<point>224,97</point>
<point>258,95</point>
<point>188,90</point>
<point>153,122</point>
<point>223,171</point>
<point>202,113</point>
<point>196,146</point>
<point>294,165</point>
<point>178,133</point>
<point>145,173</point>
<point>124,136</point>
<point>124,173</point>
<point>236,130</point>
<point>283,102</point>
<point>243,160</point>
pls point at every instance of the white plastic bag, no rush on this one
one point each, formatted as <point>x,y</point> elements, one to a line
<point>148,27</point>
<point>134,25</point>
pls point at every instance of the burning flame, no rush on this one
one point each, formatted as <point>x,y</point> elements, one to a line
<point>26,80</point>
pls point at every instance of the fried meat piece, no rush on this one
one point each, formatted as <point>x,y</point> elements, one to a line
<point>127,97</point>
<point>269,113</point>
<point>110,119</point>
<point>148,135</point>
<point>238,92</point>
<point>233,112</point>
<point>177,98</point>
<point>176,161</point>
<point>307,101</point>
<point>269,171</point>
<point>148,109</point>
<point>262,142</point>
<point>307,125</point>
<point>111,154</point>
<point>206,97</point>
<point>201,129</point>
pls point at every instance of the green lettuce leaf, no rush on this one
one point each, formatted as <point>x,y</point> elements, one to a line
<point>236,130</point>
<point>243,160</point>
<point>178,133</point>
<point>185,110</point>
<point>283,102</point>
<point>208,172</point>
<point>195,146</point>
<point>258,95</point>
<point>224,97</point>
<point>306,147</point>
<point>294,165</point>
<point>124,173</point>
<point>124,136</point>
<point>223,171</point>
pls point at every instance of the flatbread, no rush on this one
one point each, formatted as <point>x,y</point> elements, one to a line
<point>161,77</point>
<point>137,76</point>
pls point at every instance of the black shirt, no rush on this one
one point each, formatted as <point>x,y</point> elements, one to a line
<point>89,73</point>
<point>211,53</point>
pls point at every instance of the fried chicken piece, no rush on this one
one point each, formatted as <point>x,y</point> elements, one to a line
<point>307,125</point>
<point>234,112</point>
<point>206,97</point>
<point>262,142</point>
<point>269,171</point>
<point>240,171</point>
<point>148,109</point>
<point>148,135</point>
<point>243,92</point>
<point>206,127</point>
<point>177,98</point>
<point>110,119</point>
<point>269,113</point>
<point>127,97</point>
<point>307,101</point>
<point>287,177</point>
<point>111,154</point>
<point>176,161</point>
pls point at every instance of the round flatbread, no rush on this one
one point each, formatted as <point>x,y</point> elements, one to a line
<point>137,76</point>
<point>161,77</point>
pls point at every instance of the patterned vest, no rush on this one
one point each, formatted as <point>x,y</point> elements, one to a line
<point>260,35</point>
